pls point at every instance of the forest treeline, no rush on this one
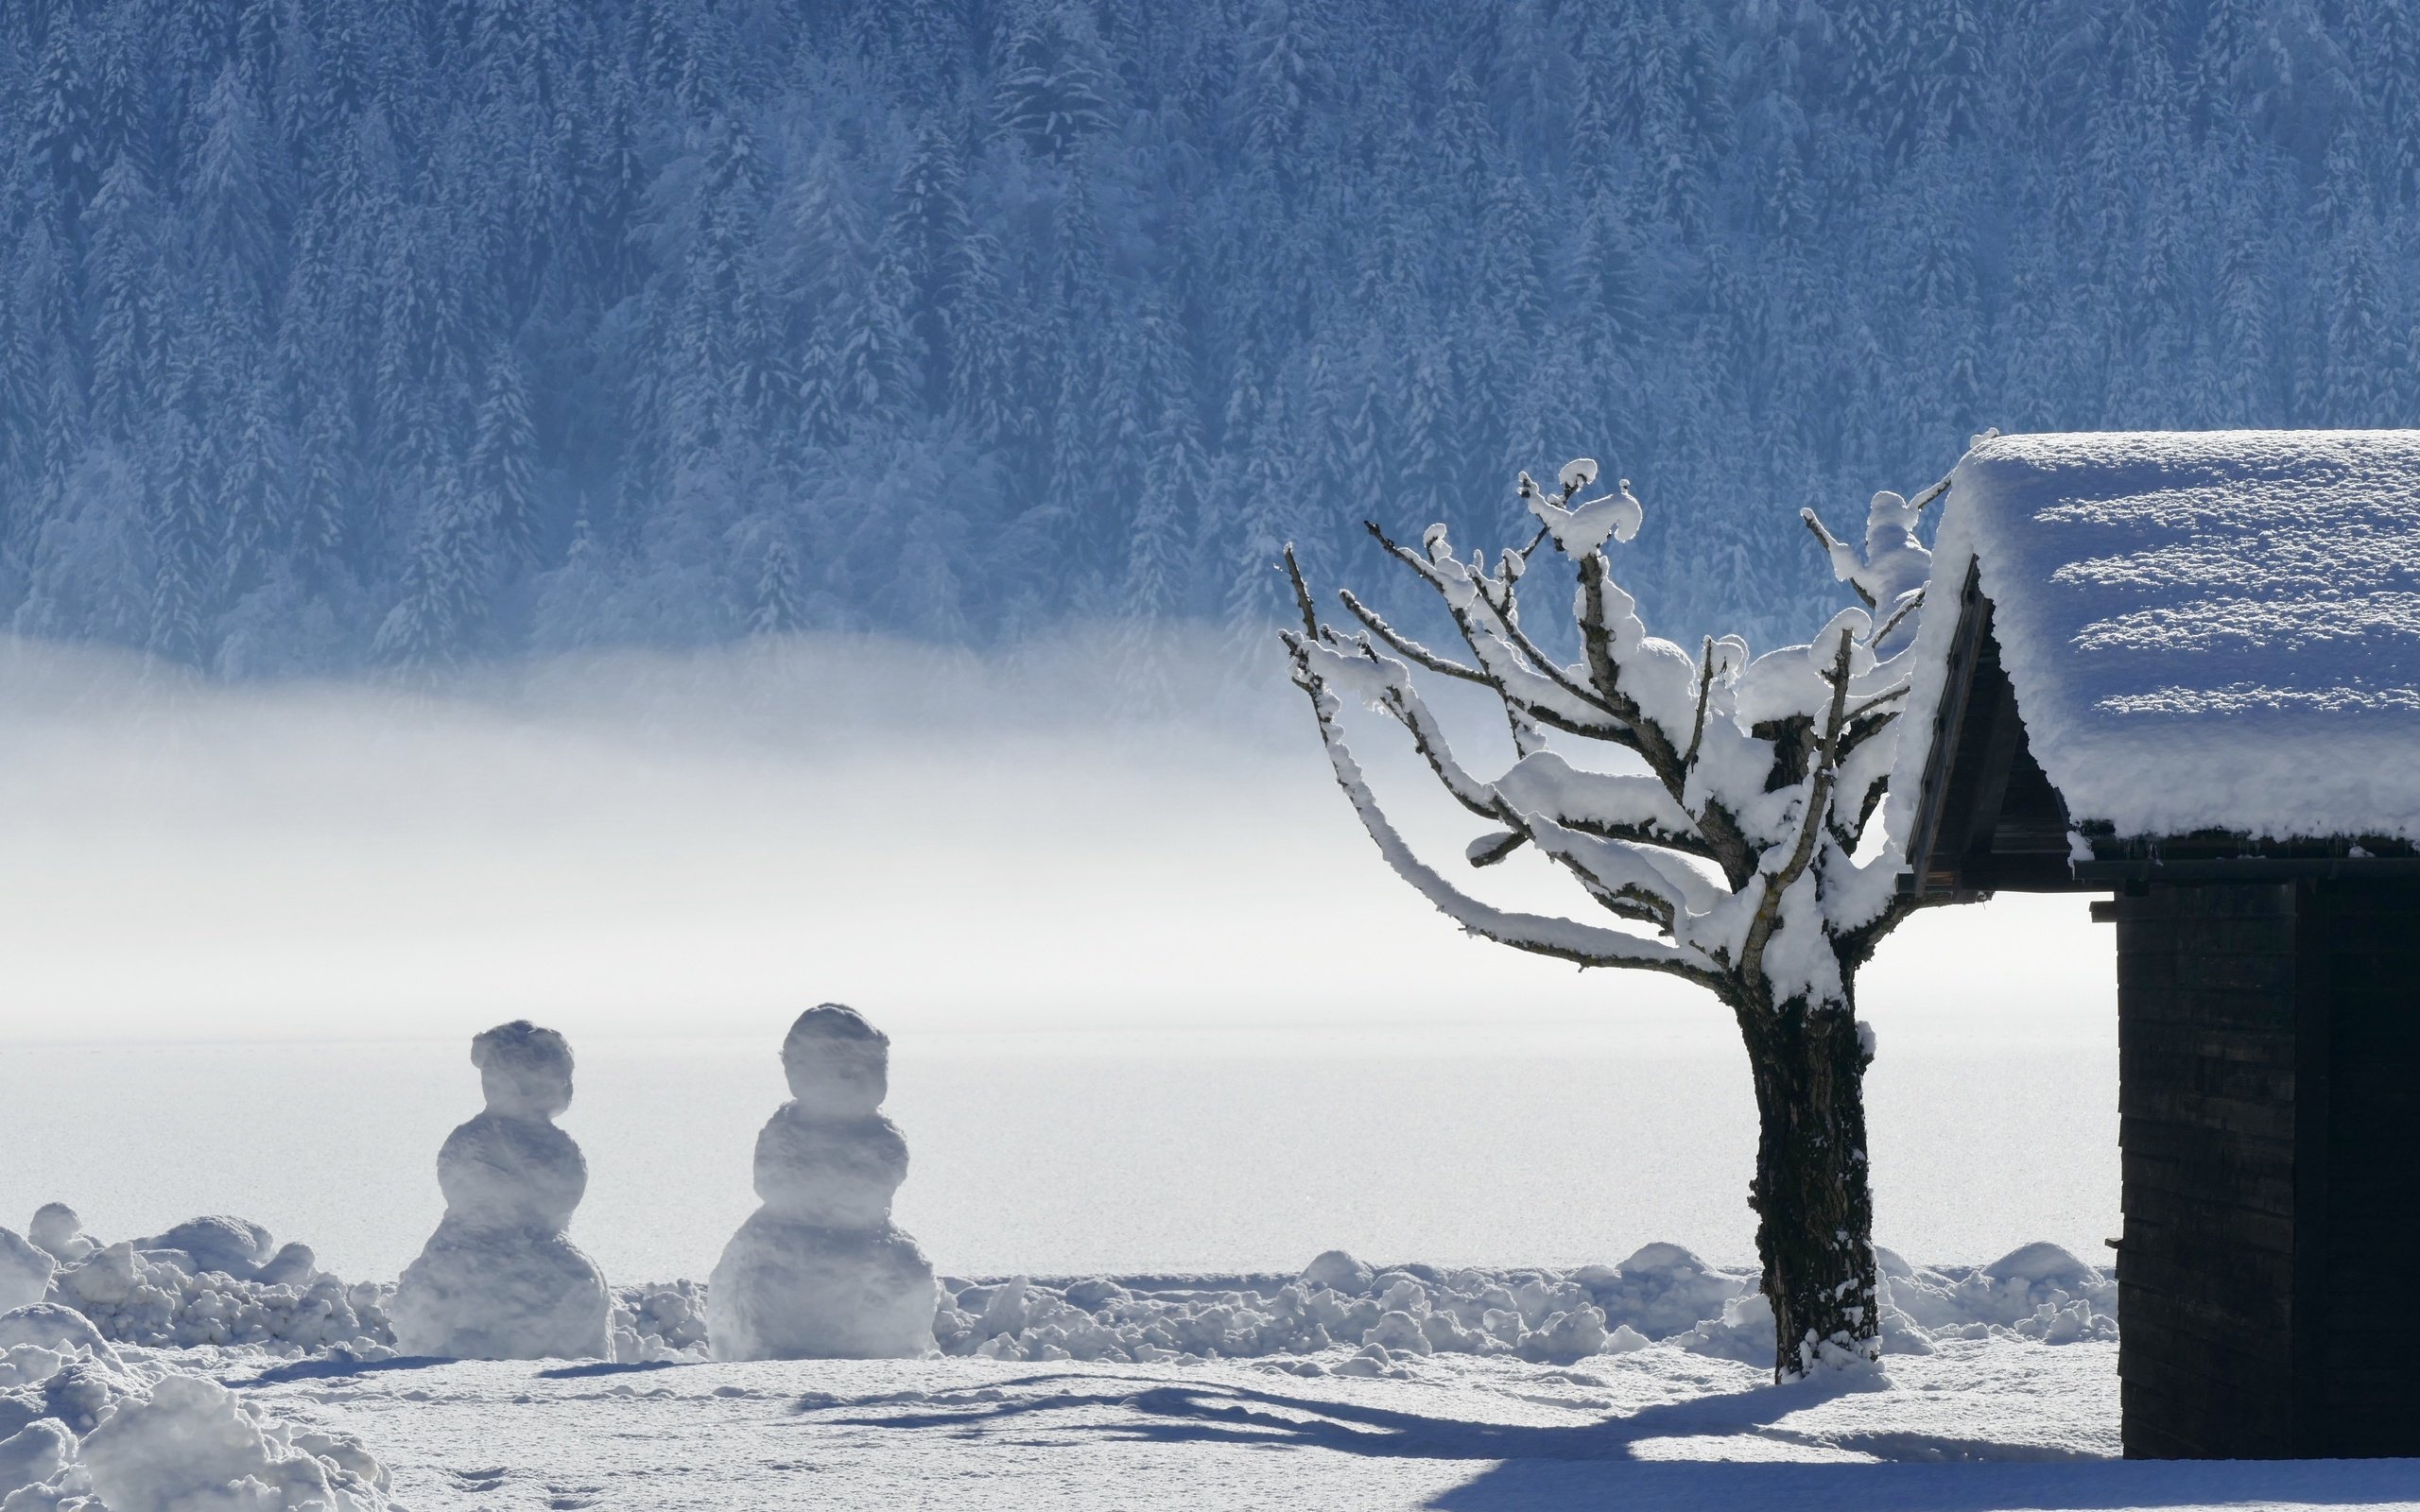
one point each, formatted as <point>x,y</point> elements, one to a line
<point>337,331</point>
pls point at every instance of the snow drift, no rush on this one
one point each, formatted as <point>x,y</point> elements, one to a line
<point>83,1426</point>
<point>1663,1294</point>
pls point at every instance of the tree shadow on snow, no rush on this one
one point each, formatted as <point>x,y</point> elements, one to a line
<point>1592,1465</point>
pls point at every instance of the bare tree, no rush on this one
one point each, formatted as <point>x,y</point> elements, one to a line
<point>1720,822</point>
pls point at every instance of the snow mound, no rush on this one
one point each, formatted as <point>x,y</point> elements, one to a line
<point>2038,1292</point>
<point>2204,630</point>
<point>660,1322</point>
<point>500,1279</point>
<point>1663,1294</point>
<point>206,1282</point>
<point>60,1233</point>
<point>25,1271</point>
<point>50,1326</point>
<point>237,1247</point>
<point>819,1271</point>
<point>192,1445</point>
<point>82,1430</point>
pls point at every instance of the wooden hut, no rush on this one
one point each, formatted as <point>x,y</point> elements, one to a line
<point>2185,670</point>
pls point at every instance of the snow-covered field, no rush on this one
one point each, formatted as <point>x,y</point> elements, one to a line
<point>222,946</point>
<point>1988,1425</point>
<point>1546,1143</point>
<point>1985,1418</point>
<point>1655,1428</point>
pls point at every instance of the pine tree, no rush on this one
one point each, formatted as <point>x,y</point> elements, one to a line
<point>773,608</point>
<point>252,495</point>
<point>981,368</point>
<point>62,144</point>
<point>442,598</point>
<point>1053,85</point>
<point>123,284</point>
<point>925,242</point>
<point>235,240</point>
<point>498,472</point>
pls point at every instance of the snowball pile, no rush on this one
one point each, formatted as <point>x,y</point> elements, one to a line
<point>819,1271</point>
<point>84,1428</point>
<point>500,1280</point>
<point>210,1281</point>
<point>1661,1295</point>
<point>659,1323</point>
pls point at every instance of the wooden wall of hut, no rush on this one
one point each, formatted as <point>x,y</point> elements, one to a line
<point>2269,1106</point>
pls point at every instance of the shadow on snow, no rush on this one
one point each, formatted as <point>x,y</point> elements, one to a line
<point>1596,1463</point>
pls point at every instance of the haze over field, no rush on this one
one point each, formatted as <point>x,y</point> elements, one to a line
<point>1118,953</point>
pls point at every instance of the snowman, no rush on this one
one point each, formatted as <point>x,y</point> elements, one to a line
<point>500,1280</point>
<point>819,1271</point>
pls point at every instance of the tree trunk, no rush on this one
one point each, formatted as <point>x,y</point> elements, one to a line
<point>1814,1209</point>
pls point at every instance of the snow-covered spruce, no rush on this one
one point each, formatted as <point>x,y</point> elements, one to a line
<point>1714,814</point>
<point>819,1271</point>
<point>500,1280</point>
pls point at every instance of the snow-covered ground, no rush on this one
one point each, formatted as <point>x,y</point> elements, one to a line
<point>1992,1423</point>
<point>208,1353</point>
<point>1658,1427</point>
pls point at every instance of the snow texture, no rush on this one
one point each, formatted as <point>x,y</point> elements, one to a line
<point>201,1284</point>
<point>1662,1294</point>
<point>25,1271</point>
<point>1991,1423</point>
<point>819,1271</point>
<point>1598,1362</point>
<point>60,1232</point>
<point>83,1429</point>
<point>2204,630</point>
<point>500,1279</point>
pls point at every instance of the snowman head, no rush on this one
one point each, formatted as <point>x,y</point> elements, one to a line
<point>525,1070</point>
<point>837,1064</point>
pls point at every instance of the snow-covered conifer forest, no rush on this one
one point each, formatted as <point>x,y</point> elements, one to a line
<point>411,331</point>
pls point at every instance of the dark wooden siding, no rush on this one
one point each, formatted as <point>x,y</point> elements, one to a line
<point>2269,1051</point>
<point>2205,1106</point>
<point>2368,949</point>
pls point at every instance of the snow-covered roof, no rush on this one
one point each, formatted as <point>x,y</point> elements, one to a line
<point>2204,630</point>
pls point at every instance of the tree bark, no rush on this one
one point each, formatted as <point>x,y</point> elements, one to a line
<point>1814,1207</point>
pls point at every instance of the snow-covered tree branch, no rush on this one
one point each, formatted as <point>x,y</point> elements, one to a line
<point>1714,807</point>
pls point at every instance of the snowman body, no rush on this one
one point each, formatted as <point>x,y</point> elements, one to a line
<point>500,1280</point>
<point>819,1271</point>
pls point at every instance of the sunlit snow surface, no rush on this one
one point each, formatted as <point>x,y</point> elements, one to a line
<point>1982,1424</point>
